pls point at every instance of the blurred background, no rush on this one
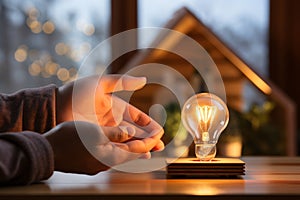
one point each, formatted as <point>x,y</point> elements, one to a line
<point>46,41</point>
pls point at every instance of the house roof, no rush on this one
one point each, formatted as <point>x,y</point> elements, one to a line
<point>185,21</point>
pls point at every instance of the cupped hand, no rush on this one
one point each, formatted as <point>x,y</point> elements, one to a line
<point>91,99</point>
<point>83,147</point>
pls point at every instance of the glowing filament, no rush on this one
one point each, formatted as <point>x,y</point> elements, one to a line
<point>206,115</point>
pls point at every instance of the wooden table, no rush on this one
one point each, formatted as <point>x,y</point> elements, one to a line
<point>266,178</point>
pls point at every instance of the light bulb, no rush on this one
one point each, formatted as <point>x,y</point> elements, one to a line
<point>205,116</point>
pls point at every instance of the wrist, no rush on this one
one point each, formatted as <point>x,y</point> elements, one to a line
<point>52,137</point>
<point>63,104</point>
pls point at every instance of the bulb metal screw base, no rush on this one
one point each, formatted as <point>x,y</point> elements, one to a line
<point>205,152</point>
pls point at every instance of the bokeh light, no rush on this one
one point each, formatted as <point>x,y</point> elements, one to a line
<point>89,29</point>
<point>21,53</point>
<point>63,74</point>
<point>35,26</point>
<point>51,68</point>
<point>35,68</point>
<point>61,48</point>
<point>48,27</point>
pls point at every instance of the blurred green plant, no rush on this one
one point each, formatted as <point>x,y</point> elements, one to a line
<point>175,134</point>
<point>259,116</point>
<point>261,135</point>
<point>173,121</point>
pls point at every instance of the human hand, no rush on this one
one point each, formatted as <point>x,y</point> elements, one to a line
<point>91,99</point>
<point>83,147</point>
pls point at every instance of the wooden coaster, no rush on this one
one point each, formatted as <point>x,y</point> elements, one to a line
<point>218,167</point>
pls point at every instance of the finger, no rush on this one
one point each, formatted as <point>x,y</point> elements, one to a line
<point>121,110</point>
<point>141,146</point>
<point>141,134</point>
<point>136,116</point>
<point>119,134</point>
<point>129,112</point>
<point>114,83</point>
<point>159,146</point>
<point>145,155</point>
<point>123,152</point>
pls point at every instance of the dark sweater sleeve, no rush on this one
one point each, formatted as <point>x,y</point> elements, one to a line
<point>29,109</point>
<point>25,155</point>
<point>25,158</point>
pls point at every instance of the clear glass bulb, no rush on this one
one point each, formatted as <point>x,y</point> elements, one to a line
<point>205,116</point>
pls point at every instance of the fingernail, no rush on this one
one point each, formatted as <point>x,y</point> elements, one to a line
<point>158,149</point>
<point>143,79</point>
<point>128,130</point>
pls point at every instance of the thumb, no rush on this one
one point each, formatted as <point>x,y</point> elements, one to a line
<point>114,83</point>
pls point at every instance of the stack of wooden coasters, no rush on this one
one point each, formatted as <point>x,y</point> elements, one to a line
<point>218,167</point>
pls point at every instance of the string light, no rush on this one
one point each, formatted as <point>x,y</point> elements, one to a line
<point>88,29</point>
<point>48,27</point>
<point>21,53</point>
<point>35,68</point>
<point>61,48</point>
<point>63,74</point>
<point>51,68</point>
<point>35,26</point>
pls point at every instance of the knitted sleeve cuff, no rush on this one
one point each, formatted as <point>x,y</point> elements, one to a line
<point>36,162</point>
<point>29,109</point>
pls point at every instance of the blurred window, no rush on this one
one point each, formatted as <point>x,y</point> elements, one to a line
<point>45,42</point>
